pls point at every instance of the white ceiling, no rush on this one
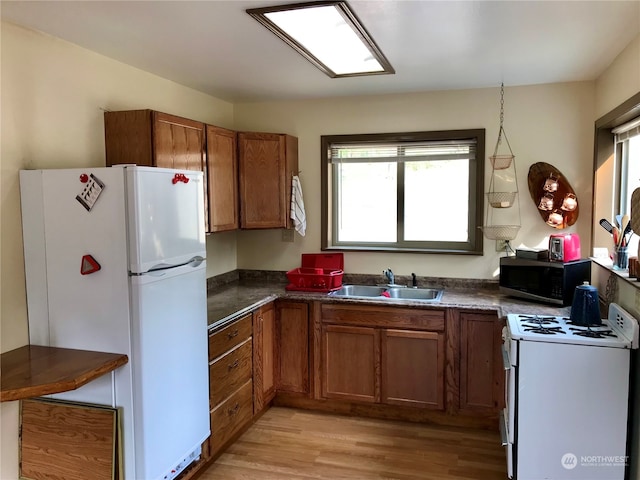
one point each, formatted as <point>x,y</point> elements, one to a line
<point>215,47</point>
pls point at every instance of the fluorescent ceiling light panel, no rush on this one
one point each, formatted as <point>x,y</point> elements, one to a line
<point>327,34</point>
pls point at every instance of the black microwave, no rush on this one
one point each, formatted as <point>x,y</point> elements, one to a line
<point>550,282</point>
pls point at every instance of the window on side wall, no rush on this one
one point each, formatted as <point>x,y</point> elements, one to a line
<point>419,191</point>
<point>627,140</point>
<point>616,168</point>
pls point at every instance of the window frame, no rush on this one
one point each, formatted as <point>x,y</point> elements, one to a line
<point>604,148</point>
<point>474,246</point>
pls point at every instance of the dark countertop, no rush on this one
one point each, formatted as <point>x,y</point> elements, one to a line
<point>227,302</point>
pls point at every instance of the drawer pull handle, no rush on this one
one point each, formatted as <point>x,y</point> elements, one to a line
<point>234,365</point>
<point>230,335</point>
<point>234,410</point>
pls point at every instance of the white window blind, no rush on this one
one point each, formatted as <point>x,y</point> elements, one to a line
<point>627,130</point>
<point>400,152</point>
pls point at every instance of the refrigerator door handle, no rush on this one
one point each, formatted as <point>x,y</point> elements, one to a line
<point>161,268</point>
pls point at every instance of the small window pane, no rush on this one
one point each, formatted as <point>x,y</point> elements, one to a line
<point>437,201</point>
<point>367,205</point>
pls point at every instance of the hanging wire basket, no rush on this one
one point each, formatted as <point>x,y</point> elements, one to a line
<point>501,162</point>
<point>500,232</point>
<point>501,199</point>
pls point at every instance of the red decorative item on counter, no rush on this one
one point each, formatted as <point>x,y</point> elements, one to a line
<point>319,272</point>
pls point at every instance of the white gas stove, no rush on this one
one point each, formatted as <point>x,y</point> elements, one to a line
<point>619,331</point>
<point>578,370</point>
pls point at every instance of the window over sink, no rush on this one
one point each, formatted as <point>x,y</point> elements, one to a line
<point>416,191</point>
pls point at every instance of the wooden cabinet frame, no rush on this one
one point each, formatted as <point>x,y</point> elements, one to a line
<point>293,347</point>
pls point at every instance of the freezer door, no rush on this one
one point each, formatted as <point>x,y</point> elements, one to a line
<point>166,217</point>
<point>67,308</point>
<point>170,367</point>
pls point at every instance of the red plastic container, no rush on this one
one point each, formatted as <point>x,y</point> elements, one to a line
<point>319,272</point>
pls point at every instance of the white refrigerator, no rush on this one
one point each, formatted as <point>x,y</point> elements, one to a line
<point>115,262</point>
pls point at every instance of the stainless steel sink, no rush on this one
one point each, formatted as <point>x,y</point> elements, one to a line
<point>389,293</point>
<point>359,291</point>
<point>432,294</point>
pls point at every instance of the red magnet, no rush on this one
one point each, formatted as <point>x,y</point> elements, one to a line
<point>89,265</point>
<point>180,177</point>
<point>84,178</point>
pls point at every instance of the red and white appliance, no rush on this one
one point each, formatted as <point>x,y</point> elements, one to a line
<point>567,396</point>
<point>115,261</point>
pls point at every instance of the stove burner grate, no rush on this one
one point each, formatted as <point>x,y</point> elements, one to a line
<point>542,330</point>
<point>593,333</point>
<point>538,320</point>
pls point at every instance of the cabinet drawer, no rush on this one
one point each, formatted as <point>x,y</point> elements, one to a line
<point>230,336</point>
<point>384,317</point>
<point>230,371</point>
<point>230,416</point>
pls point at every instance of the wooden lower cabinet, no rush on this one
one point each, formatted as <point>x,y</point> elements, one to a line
<point>230,416</point>
<point>364,359</point>
<point>481,366</point>
<point>351,363</point>
<point>264,328</point>
<point>292,348</point>
<point>230,372</point>
<point>230,381</point>
<point>413,367</point>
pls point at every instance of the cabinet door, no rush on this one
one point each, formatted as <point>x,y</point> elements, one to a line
<point>351,363</point>
<point>178,142</point>
<point>264,325</point>
<point>413,368</point>
<point>481,368</point>
<point>128,137</point>
<point>222,173</point>
<point>266,163</point>
<point>292,345</point>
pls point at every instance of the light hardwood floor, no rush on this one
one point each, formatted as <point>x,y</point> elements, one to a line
<point>286,444</point>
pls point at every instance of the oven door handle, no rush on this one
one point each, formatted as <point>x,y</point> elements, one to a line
<point>504,436</point>
<point>506,361</point>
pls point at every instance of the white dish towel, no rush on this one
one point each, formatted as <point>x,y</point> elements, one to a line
<point>298,214</point>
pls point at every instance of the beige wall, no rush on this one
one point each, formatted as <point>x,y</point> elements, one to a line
<point>53,95</point>
<point>544,123</point>
<point>620,82</point>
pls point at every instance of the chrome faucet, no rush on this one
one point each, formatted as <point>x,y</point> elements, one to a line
<point>390,277</point>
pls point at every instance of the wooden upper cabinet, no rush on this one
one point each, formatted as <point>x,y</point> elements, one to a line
<point>153,139</point>
<point>266,162</point>
<point>156,139</point>
<point>178,142</point>
<point>222,179</point>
